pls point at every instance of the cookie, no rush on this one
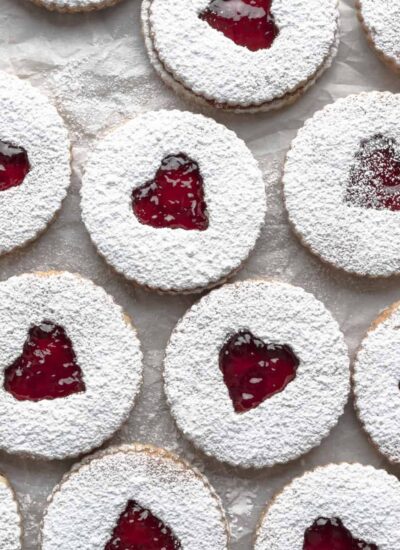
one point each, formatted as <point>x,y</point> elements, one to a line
<point>342,184</point>
<point>241,55</point>
<point>10,519</point>
<point>173,201</point>
<point>34,162</point>
<point>135,496</point>
<point>71,365</point>
<point>256,373</point>
<point>345,506</point>
<point>376,380</point>
<point>381,22</point>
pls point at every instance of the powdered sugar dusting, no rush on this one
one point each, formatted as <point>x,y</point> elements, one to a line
<point>29,121</point>
<point>382,21</point>
<point>366,500</point>
<point>215,68</point>
<point>102,88</point>
<point>85,508</point>
<point>376,383</point>
<point>289,423</point>
<point>10,521</point>
<point>116,82</point>
<point>365,241</point>
<point>164,258</point>
<point>375,175</point>
<point>106,348</point>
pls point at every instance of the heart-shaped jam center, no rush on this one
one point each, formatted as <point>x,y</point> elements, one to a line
<point>175,198</point>
<point>138,529</point>
<point>248,23</point>
<point>47,367</point>
<point>375,176</point>
<point>331,534</point>
<point>14,165</point>
<point>254,370</point>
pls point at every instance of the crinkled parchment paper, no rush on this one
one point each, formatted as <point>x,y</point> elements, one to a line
<point>95,69</point>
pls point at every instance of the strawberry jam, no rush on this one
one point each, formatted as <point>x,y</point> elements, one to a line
<point>254,371</point>
<point>138,529</point>
<point>331,534</point>
<point>47,367</point>
<point>249,23</point>
<point>375,176</point>
<point>175,198</point>
<point>14,165</point>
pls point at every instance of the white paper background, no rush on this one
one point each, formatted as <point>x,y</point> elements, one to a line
<point>95,68</point>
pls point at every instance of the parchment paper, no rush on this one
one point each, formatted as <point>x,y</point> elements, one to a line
<point>95,68</point>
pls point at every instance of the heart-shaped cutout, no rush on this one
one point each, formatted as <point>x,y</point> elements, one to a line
<point>331,534</point>
<point>249,23</point>
<point>14,165</point>
<point>138,529</point>
<point>253,371</point>
<point>47,367</point>
<point>375,176</point>
<point>175,198</point>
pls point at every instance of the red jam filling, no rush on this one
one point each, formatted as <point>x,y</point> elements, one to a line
<point>47,367</point>
<point>331,534</point>
<point>175,198</point>
<point>138,529</point>
<point>248,23</point>
<point>254,370</point>
<point>14,165</point>
<point>375,176</point>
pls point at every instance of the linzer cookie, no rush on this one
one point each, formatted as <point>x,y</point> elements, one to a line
<point>70,362</point>
<point>241,55</point>
<point>381,22</point>
<point>341,507</point>
<point>34,162</point>
<point>342,184</point>
<point>132,497</point>
<point>377,383</point>
<point>75,6</point>
<point>173,201</point>
<point>257,373</point>
<point>10,520</point>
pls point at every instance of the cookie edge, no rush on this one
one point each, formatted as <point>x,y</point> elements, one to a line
<point>51,6</point>
<point>5,481</point>
<point>389,61</point>
<point>383,316</point>
<point>148,449</point>
<point>129,322</point>
<point>181,90</point>
<point>293,226</point>
<point>278,493</point>
<point>240,466</point>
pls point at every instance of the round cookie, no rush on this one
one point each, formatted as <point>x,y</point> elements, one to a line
<point>376,380</point>
<point>173,201</point>
<point>240,55</point>
<point>75,6</point>
<point>71,365</point>
<point>342,184</point>
<point>347,506</point>
<point>34,162</point>
<point>10,519</point>
<point>381,22</point>
<point>256,373</point>
<point>136,493</point>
